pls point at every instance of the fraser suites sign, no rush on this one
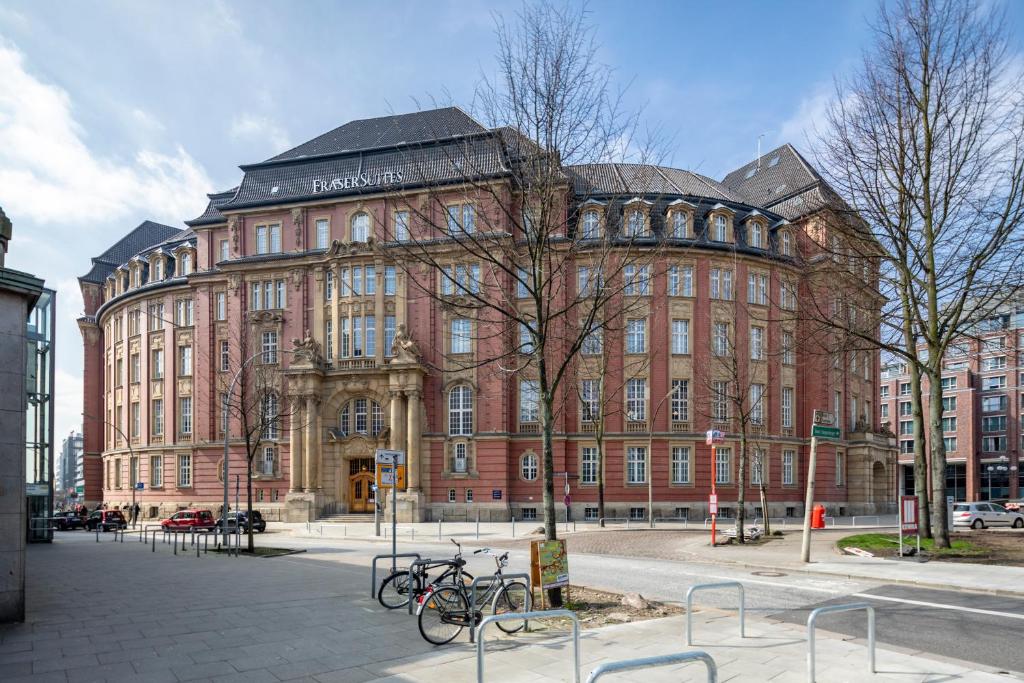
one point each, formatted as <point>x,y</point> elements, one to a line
<point>357,181</point>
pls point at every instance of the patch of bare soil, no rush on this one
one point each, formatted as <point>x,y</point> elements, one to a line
<point>599,608</point>
<point>998,547</point>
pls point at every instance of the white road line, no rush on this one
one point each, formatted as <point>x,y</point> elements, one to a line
<point>778,584</point>
<point>936,605</point>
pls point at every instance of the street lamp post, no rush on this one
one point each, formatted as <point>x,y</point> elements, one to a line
<point>650,456</point>
<point>131,458</point>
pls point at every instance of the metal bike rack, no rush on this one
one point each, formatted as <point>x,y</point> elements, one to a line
<point>852,607</point>
<point>684,520</point>
<point>412,568</point>
<point>710,586</point>
<point>877,518</point>
<point>373,571</point>
<point>780,521</point>
<point>480,579</point>
<point>602,520</point>
<point>660,660</point>
<point>526,616</point>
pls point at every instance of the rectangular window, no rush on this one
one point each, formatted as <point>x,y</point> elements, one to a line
<point>183,310</point>
<point>136,417</point>
<point>346,339</point>
<point>721,284</point>
<point>949,424</point>
<point>905,388</point>
<point>680,407</point>
<point>158,417</point>
<point>636,336</point>
<point>134,368</point>
<point>357,281</point>
<point>523,279</point>
<point>906,427</point>
<point>281,297</point>
<point>593,342</point>
<point>636,465</point>
<point>840,472</point>
<point>994,363</point>
<point>389,334</point>
<point>757,467</point>
<point>907,446</point>
<point>906,409</point>
<point>636,280</point>
<point>997,382</point>
<point>328,285</point>
<point>884,408</point>
<point>156,317</point>
<point>185,361</point>
<point>401,226</point>
<point>988,424</point>
<point>757,289</point>
<point>269,347</point>
<point>225,356</point>
<point>719,234</point>
<point>390,281</point>
<point>525,339</point>
<point>680,281</point>
<point>460,337</point>
<point>590,514</point>
<point>993,444</point>
<point>590,399</point>
<point>884,392</point>
<point>947,383</point>
<point>185,416</point>
<point>588,465</point>
<point>949,443</point>
<point>756,343</point>
<point>680,464</point>
<point>322,233</point>
<point>269,461</point>
<point>461,218</point>
<point>158,364</point>
<point>788,349</point>
<point>156,471</point>
<point>529,400</point>
<point>720,401</point>
<point>275,239</point>
<point>184,470</point>
<point>636,400</point>
<point>723,465</point>
<point>357,337</point>
<point>788,462</point>
<point>117,473</point>
<point>221,305</point>
<point>787,296</point>
<point>787,407</point>
<point>757,404</point>
<point>680,336</point>
<point>720,339</point>
<point>262,240</point>
<point>993,404</point>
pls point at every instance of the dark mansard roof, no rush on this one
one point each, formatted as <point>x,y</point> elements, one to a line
<point>146,234</point>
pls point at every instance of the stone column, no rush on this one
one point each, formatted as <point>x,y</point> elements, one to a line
<point>295,445</point>
<point>335,326</point>
<point>412,451</point>
<point>312,447</point>
<point>397,421</point>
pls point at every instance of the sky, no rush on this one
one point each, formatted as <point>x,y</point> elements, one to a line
<point>115,112</point>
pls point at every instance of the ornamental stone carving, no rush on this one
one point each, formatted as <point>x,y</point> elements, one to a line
<point>299,221</point>
<point>233,229</point>
<point>307,350</point>
<point>404,347</point>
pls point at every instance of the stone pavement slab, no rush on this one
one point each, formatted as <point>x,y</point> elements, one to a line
<point>159,617</point>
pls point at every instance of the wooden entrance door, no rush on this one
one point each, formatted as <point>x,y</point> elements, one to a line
<point>360,491</point>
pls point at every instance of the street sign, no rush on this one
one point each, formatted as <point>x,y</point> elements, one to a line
<point>824,425</point>
<point>80,489</point>
<point>713,504</point>
<point>496,494</point>
<point>386,476</point>
<point>714,436</point>
<point>908,516</point>
<point>140,486</point>
<point>384,456</point>
<point>825,432</point>
<point>37,489</point>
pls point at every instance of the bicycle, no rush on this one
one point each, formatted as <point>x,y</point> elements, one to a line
<point>445,609</point>
<point>394,590</point>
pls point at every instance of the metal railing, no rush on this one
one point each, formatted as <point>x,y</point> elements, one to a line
<point>781,521</point>
<point>877,518</point>
<point>602,520</point>
<point>472,592</point>
<point>684,520</point>
<point>711,586</point>
<point>855,606</point>
<point>373,570</point>
<point>409,582</point>
<point>660,660</point>
<point>524,616</point>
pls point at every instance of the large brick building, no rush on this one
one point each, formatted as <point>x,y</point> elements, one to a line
<point>307,248</point>
<point>982,410</point>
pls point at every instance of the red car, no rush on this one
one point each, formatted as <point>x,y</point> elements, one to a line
<point>189,519</point>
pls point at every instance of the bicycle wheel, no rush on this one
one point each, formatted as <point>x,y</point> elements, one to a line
<point>443,615</point>
<point>513,597</point>
<point>449,578</point>
<point>394,592</point>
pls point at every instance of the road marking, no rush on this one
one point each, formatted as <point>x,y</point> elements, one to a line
<point>936,605</point>
<point>777,584</point>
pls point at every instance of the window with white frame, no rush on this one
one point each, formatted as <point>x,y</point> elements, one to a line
<point>460,411</point>
<point>788,467</point>
<point>680,224</point>
<point>401,232</point>
<point>329,341</point>
<point>526,344</point>
<point>451,495</point>
<point>156,471</point>
<point>590,391</point>
<point>591,225</point>
<point>636,223</point>
<point>757,289</point>
<point>157,416</point>
<point>636,280</point>
<point>184,263</point>
<point>756,235</point>
<point>949,404</point>
<point>636,400</point>
<point>460,279</point>
<point>757,343</point>
<point>680,336</point>
<point>589,281</point>
<point>787,407</point>
<point>461,218</point>
<point>720,339</point>
<point>270,417</point>
<point>680,280</point>
<point>636,335</point>
<point>840,471</point>
<point>270,347</point>
<point>460,341</point>
<point>268,239</point>
<point>528,466</point>
<point>593,341</point>
<point>948,383</point>
<point>787,296</point>
<point>389,335</point>
<point>390,281</point>
<point>184,470</point>
<point>588,465</point>
<point>994,363</point>
<point>269,462</point>
<point>323,233</point>
<point>720,401</point>
<point>183,313</point>
<point>636,465</point>
<point>361,227</point>
<point>788,349</point>
<point>157,371</point>
<point>992,404</point>
<point>361,416</point>
<point>679,408</point>
<point>723,465</point>
<point>184,361</point>
<point>884,410</point>
<point>681,465</point>
<point>220,306</point>
<point>328,285</point>
<point>786,243</point>
<point>719,233</point>
<point>135,414</point>
<point>721,284</point>
<point>529,401</point>
<point>757,467</point>
<point>757,401</point>
<point>460,457</point>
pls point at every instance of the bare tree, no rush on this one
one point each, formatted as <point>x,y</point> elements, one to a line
<point>532,281</point>
<point>926,142</point>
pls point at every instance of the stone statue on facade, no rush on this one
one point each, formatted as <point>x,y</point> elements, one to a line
<point>404,347</point>
<point>307,349</point>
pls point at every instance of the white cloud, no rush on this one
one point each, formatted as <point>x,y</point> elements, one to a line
<point>260,129</point>
<point>48,174</point>
<point>809,119</point>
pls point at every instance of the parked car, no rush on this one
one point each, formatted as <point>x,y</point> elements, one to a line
<point>65,521</point>
<point>1015,506</point>
<point>981,515</point>
<point>240,519</point>
<point>106,520</point>
<point>184,520</point>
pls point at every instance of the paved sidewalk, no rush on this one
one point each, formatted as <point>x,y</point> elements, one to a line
<point>118,612</point>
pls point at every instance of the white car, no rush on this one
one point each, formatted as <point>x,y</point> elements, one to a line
<point>981,515</point>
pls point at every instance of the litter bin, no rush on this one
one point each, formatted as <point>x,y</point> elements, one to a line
<point>818,517</point>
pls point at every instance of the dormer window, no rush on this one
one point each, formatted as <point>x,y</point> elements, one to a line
<point>680,224</point>
<point>184,263</point>
<point>720,228</point>
<point>755,237</point>
<point>591,225</point>
<point>636,223</point>
<point>157,270</point>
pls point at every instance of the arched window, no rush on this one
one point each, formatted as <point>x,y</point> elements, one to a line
<point>528,466</point>
<point>591,225</point>
<point>460,411</point>
<point>756,235</point>
<point>271,417</point>
<point>361,416</point>
<point>185,263</point>
<point>679,219</point>
<point>635,223</point>
<point>360,227</point>
<point>720,224</point>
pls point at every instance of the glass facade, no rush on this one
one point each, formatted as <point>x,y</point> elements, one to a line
<point>39,417</point>
<point>956,481</point>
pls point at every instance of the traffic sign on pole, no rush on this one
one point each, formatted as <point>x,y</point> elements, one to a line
<point>824,425</point>
<point>714,436</point>
<point>713,504</point>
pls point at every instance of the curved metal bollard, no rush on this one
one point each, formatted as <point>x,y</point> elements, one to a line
<point>525,616</point>
<point>660,660</point>
<point>813,617</point>
<point>709,586</point>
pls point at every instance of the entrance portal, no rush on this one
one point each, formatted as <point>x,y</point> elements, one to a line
<point>361,498</point>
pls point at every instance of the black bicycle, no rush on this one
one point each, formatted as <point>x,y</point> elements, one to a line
<point>394,591</point>
<point>445,609</point>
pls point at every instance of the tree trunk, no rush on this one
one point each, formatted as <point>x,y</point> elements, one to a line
<point>547,436</point>
<point>917,411</point>
<point>248,512</point>
<point>764,505</point>
<point>600,474</point>
<point>740,486</point>
<point>940,525</point>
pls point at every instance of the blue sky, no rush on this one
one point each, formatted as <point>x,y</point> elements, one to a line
<point>115,112</point>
